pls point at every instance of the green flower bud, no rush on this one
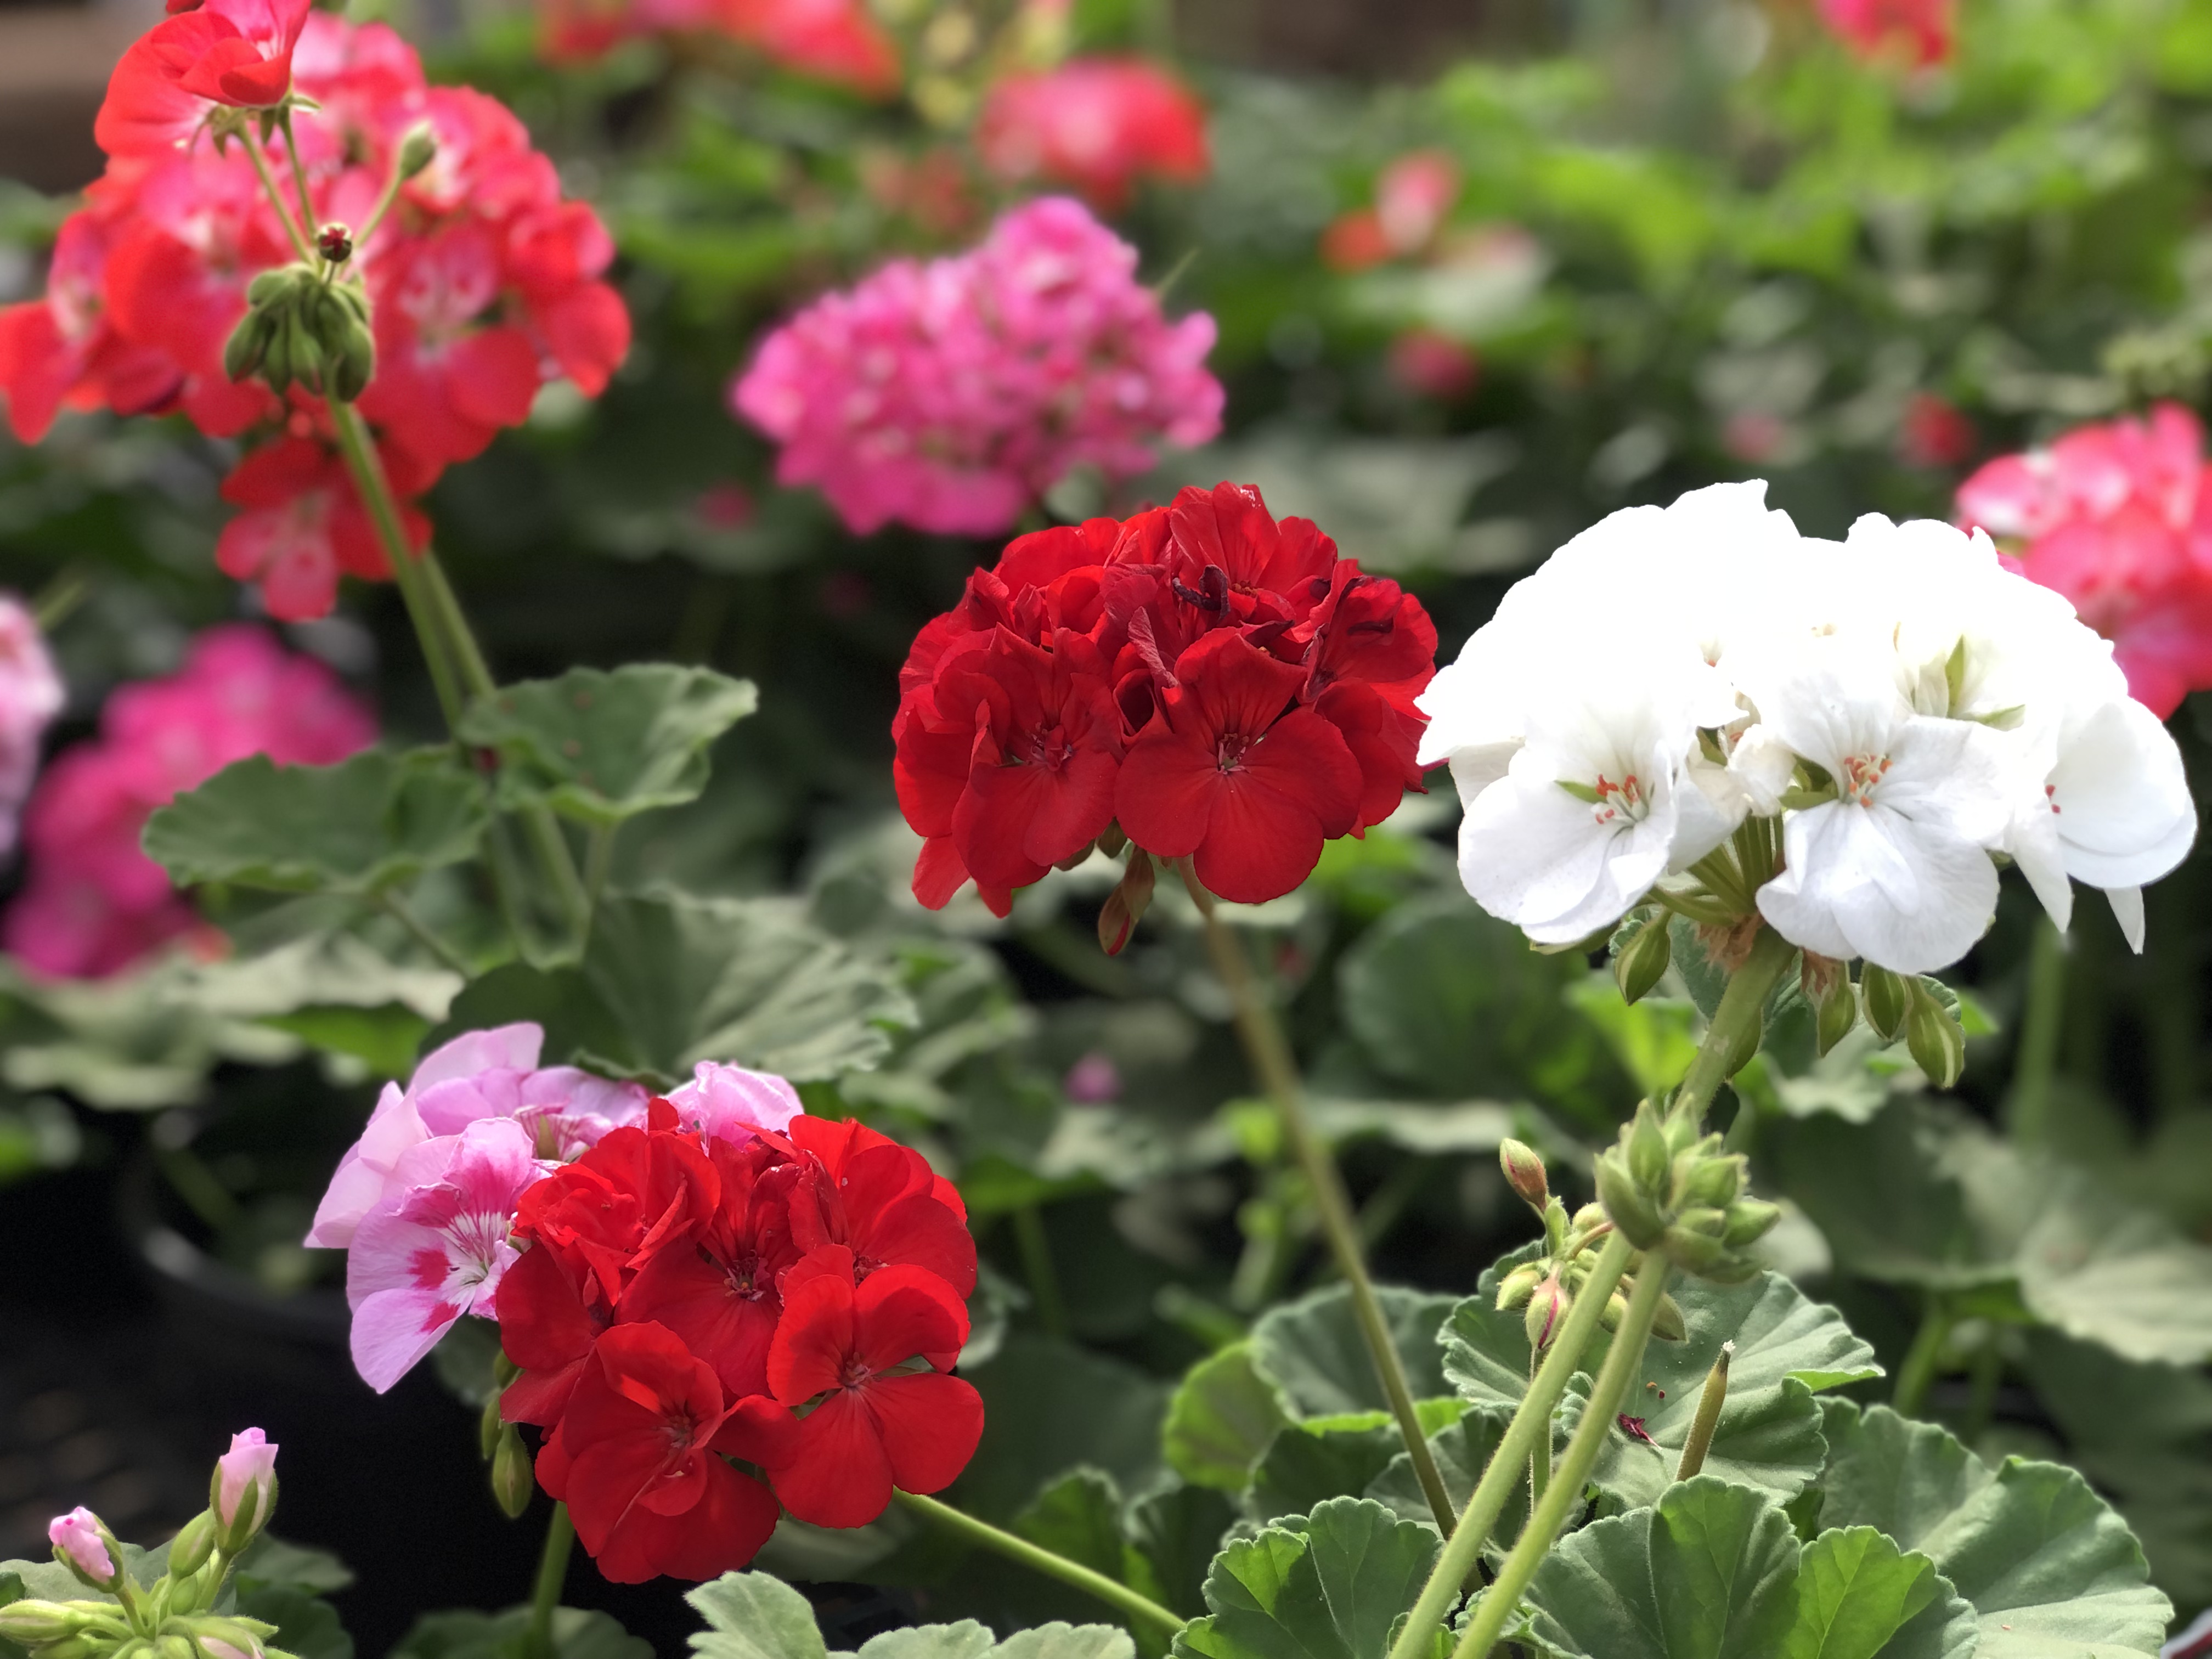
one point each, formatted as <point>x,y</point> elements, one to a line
<point>1933,1037</point>
<point>1749,1219</point>
<point>1712,1183</point>
<point>34,1624</point>
<point>1887,1002</point>
<point>417,149</point>
<point>77,1647</point>
<point>1704,1220</point>
<point>1588,1219</point>
<point>1615,1310</point>
<point>194,1543</point>
<point>1834,1013</point>
<point>1626,1203</point>
<point>1517,1287</point>
<point>1524,1173</point>
<point>270,286</point>
<point>1648,1150</point>
<point>242,352</point>
<point>1693,1251</point>
<point>1667,1324</point>
<point>511,1475</point>
<point>172,1645</point>
<point>1641,959</point>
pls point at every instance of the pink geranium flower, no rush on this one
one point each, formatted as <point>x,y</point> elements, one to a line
<point>246,1481</point>
<point>31,694</point>
<point>436,1246</point>
<point>478,1077</point>
<point>728,1103</point>
<point>2117,517</point>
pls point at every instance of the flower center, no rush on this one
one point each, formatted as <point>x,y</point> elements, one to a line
<point>1229,753</point>
<point>1045,746</point>
<point>855,1374</point>
<point>1862,773</point>
<point>1624,799</point>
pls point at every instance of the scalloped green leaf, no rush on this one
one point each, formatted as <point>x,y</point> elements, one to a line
<point>1462,1451</point>
<point>1859,1596</point>
<point>363,825</point>
<point>1788,1347</point>
<point>1306,1464</point>
<point>1331,1585</point>
<point>1222,1417</point>
<point>601,746</point>
<point>754,1615</point>
<point>1313,1351</point>
<point>2051,1571</point>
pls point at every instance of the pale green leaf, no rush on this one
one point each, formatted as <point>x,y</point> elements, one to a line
<point>1312,1349</point>
<point>754,1615</point>
<point>1861,1597</point>
<point>1221,1419</point>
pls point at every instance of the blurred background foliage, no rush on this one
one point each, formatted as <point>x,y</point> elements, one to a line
<point>1674,243</point>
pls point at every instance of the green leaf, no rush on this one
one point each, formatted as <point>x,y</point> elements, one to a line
<point>2052,1572</point>
<point>1221,1417</point>
<point>1859,1596</point>
<point>2110,1270</point>
<point>1654,1038</point>
<point>1078,1517</point>
<point>600,747</point>
<point>387,1040</point>
<point>969,1640</point>
<point>1313,1351</point>
<point>576,1635</point>
<point>753,1615</point>
<point>307,1626</point>
<point>1788,1348</point>
<point>1177,1532</point>
<point>1305,1465</point>
<point>1710,1573</point>
<point>363,825</point>
<point>1331,1588</point>
<point>272,1560</point>
<point>669,979</point>
<point>1054,1406</point>
<point>1462,1451</point>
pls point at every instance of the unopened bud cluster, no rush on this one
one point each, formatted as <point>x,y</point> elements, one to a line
<point>1667,1187</point>
<point>171,1618</point>
<point>1544,1289</point>
<point>301,328</point>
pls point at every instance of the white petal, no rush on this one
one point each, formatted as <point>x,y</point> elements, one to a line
<point>1799,913</point>
<point>2034,846</point>
<point>2125,815</point>
<point>2127,910</point>
<point>1529,851</point>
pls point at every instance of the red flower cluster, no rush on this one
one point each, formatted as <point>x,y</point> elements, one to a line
<point>483,281</point>
<point>1096,123</point>
<point>1222,685</point>
<point>834,40</point>
<point>1919,34</point>
<point>793,1300</point>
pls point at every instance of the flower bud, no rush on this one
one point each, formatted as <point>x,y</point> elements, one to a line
<point>1126,905</point>
<point>1517,1287</point>
<point>1647,1151</point>
<point>248,343</point>
<point>1615,1310</point>
<point>242,1493</point>
<point>1748,1220</point>
<point>1546,1308</point>
<point>85,1547</point>
<point>1641,959</point>
<point>194,1543</point>
<point>34,1624</point>
<point>1524,1173</point>
<point>1709,1181</point>
<point>174,1644</point>
<point>1704,1220</point>
<point>511,1475</point>
<point>1887,1002</point>
<point>1827,987</point>
<point>1588,1219</point>
<point>76,1647</point>
<point>1695,1252</point>
<point>417,149</point>
<point>271,285</point>
<point>334,242</point>
<point>1667,1324</point>
<point>215,1647</point>
<point>1626,1204</point>
<point>1933,1037</point>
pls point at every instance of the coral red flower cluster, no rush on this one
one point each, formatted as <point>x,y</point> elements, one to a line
<point>92,903</point>
<point>1413,196</point>
<point>952,395</point>
<point>836,40</point>
<point>1221,684</point>
<point>793,1300</point>
<point>2117,517</point>
<point>1919,34</point>
<point>1097,125</point>
<point>484,282</point>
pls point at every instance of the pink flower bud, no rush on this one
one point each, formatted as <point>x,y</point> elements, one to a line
<point>76,1537</point>
<point>215,1648</point>
<point>251,1463</point>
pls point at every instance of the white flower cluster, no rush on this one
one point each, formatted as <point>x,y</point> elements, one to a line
<point>1901,704</point>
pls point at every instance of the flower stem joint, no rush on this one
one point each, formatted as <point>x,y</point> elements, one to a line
<point>1667,1187</point>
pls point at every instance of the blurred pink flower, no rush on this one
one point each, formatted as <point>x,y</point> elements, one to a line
<point>952,395</point>
<point>478,1076</point>
<point>1430,362</point>
<point>1934,433</point>
<point>1412,196</point>
<point>31,694</point>
<point>1096,123</point>
<point>1918,31</point>
<point>2117,517</point>
<point>92,903</point>
<point>1093,1080</point>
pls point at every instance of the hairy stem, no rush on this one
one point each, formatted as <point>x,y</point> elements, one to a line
<point>1917,1372</point>
<point>1531,1423</point>
<point>545,1596</point>
<point>2029,1106</point>
<point>406,570</point>
<point>298,239</point>
<point>1142,1609</point>
<point>1621,1365</point>
<point>1269,1051</point>
<point>1742,1008</point>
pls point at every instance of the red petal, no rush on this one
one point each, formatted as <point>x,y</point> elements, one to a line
<point>812,1341</point>
<point>1165,795</point>
<point>928,1427</point>
<point>838,1474</point>
<point>901,1311</point>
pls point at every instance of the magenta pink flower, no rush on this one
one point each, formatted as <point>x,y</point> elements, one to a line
<point>249,1466</point>
<point>2117,517</point>
<point>92,903</point>
<point>76,1537</point>
<point>479,1075</point>
<point>728,1103</point>
<point>952,395</point>
<point>436,1246</point>
<point>31,694</point>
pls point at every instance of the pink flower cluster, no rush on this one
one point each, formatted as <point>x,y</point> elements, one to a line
<point>952,395</point>
<point>31,694</point>
<point>424,1201</point>
<point>482,280</point>
<point>2117,517</point>
<point>92,903</point>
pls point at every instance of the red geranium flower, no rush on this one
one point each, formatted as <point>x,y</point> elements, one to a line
<point>1098,124</point>
<point>882,1205</point>
<point>875,1424</point>
<point>227,52</point>
<point>303,524</point>
<point>637,1459</point>
<point>1232,773</point>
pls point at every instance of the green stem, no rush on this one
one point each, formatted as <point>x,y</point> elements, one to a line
<point>1540,1450</point>
<point>1036,1265</point>
<point>599,858</point>
<point>1742,1009</point>
<point>1918,1373</point>
<point>405,916</point>
<point>1269,1051</point>
<point>552,1573</point>
<point>299,175</point>
<point>1140,1608</point>
<point>375,492</point>
<point>1986,1373</point>
<point>1621,1364</point>
<point>52,604</point>
<point>194,1183</point>
<point>1532,1422</point>
<point>2041,1020</point>
<point>270,188</point>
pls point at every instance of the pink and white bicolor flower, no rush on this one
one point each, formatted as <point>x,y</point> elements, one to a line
<point>436,1247</point>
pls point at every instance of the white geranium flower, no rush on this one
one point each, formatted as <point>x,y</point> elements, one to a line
<point>1896,868</point>
<point>1593,807</point>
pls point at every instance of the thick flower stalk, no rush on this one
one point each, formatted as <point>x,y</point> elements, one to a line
<point>950,396</point>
